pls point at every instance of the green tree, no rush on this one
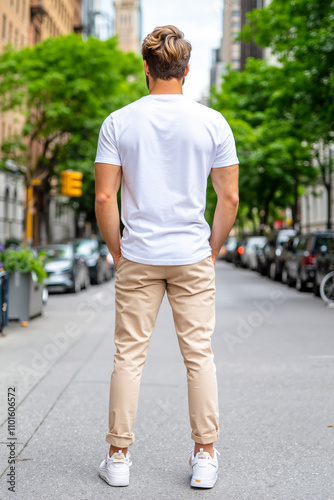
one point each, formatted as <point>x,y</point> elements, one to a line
<point>274,162</point>
<point>301,34</point>
<point>65,87</point>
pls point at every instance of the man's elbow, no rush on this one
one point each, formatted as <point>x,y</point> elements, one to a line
<point>233,200</point>
<point>102,200</point>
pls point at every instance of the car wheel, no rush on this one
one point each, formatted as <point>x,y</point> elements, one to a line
<point>272,271</point>
<point>87,281</point>
<point>287,277</point>
<point>316,287</point>
<point>99,276</point>
<point>300,284</point>
<point>76,286</point>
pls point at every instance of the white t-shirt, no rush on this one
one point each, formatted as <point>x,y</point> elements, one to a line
<point>166,145</point>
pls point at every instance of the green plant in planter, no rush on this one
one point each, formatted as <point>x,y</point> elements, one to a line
<point>23,261</point>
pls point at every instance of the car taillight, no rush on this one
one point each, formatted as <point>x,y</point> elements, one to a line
<point>241,250</point>
<point>310,260</point>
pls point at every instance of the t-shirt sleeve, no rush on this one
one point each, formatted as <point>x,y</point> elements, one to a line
<point>107,151</point>
<point>226,153</point>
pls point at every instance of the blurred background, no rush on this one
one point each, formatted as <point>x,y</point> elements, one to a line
<point>267,66</point>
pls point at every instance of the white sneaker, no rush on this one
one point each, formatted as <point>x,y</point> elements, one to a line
<point>115,469</point>
<point>205,469</point>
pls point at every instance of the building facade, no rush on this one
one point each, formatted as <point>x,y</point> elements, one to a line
<point>232,52</point>
<point>313,208</point>
<point>105,18</point>
<point>11,205</point>
<point>98,18</point>
<point>52,18</point>
<point>25,23</point>
<point>228,54</point>
<point>128,25</point>
<point>249,49</point>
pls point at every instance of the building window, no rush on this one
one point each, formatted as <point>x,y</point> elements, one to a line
<point>10,30</point>
<point>236,13</point>
<point>37,35</point>
<point>23,10</point>
<point>12,4</point>
<point>236,24</point>
<point>16,39</point>
<point>18,7</point>
<point>4,21</point>
<point>22,41</point>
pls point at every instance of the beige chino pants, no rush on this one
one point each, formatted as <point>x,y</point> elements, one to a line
<point>140,289</point>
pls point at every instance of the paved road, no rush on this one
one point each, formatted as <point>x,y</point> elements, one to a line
<point>274,351</point>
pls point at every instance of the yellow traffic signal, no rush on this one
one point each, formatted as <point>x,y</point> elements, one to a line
<point>71,183</point>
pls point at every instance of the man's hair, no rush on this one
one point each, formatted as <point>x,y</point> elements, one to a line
<point>166,52</point>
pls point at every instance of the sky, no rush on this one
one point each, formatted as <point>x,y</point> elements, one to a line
<point>201,23</point>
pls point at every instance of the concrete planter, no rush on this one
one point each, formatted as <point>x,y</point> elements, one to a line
<point>25,297</point>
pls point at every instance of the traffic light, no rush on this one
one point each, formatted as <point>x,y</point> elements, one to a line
<point>71,183</point>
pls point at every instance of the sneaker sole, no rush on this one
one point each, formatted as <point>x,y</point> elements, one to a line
<point>113,480</point>
<point>203,483</point>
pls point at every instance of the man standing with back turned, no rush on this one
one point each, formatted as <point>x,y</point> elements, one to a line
<point>163,147</point>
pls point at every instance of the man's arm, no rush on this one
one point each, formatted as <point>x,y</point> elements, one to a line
<point>225,183</point>
<point>107,182</point>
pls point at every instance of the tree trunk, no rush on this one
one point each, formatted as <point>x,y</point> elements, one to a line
<point>295,211</point>
<point>328,187</point>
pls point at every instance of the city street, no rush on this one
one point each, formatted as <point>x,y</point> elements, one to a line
<point>274,351</point>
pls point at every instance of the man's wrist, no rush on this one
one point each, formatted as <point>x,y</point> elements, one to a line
<point>214,252</point>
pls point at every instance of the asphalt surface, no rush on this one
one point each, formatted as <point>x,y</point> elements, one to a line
<point>274,351</point>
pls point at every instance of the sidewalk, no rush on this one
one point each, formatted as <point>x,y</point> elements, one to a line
<point>275,389</point>
<point>62,411</point>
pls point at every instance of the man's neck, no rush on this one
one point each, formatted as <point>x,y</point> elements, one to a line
<point>172,86</point>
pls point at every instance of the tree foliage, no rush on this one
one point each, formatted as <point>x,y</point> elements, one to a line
<point>301,34</point>
<point>65,87</point>
<point>274,162</point>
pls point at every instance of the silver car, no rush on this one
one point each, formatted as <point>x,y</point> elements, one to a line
<point>248,258</point>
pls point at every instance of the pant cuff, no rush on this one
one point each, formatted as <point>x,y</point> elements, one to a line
<point>208,439</point>
<point>120,441</point>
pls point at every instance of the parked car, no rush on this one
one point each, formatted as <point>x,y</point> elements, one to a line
<point>248,258</point>
<point>228,249</point>
<point>90,250</point>
<point>273,250</point>
<point>65,269</point>
<point>260,259</point>
<point>238,252</point>
<point>109,261</point>
<point>301,263</point>
<point>324,264</point>
<point>288,248</point>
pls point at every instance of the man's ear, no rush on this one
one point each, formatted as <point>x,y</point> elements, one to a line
<point>186,70</point>
<point>146,68</point>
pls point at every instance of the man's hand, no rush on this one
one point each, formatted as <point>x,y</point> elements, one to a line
<point>116,259</point>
